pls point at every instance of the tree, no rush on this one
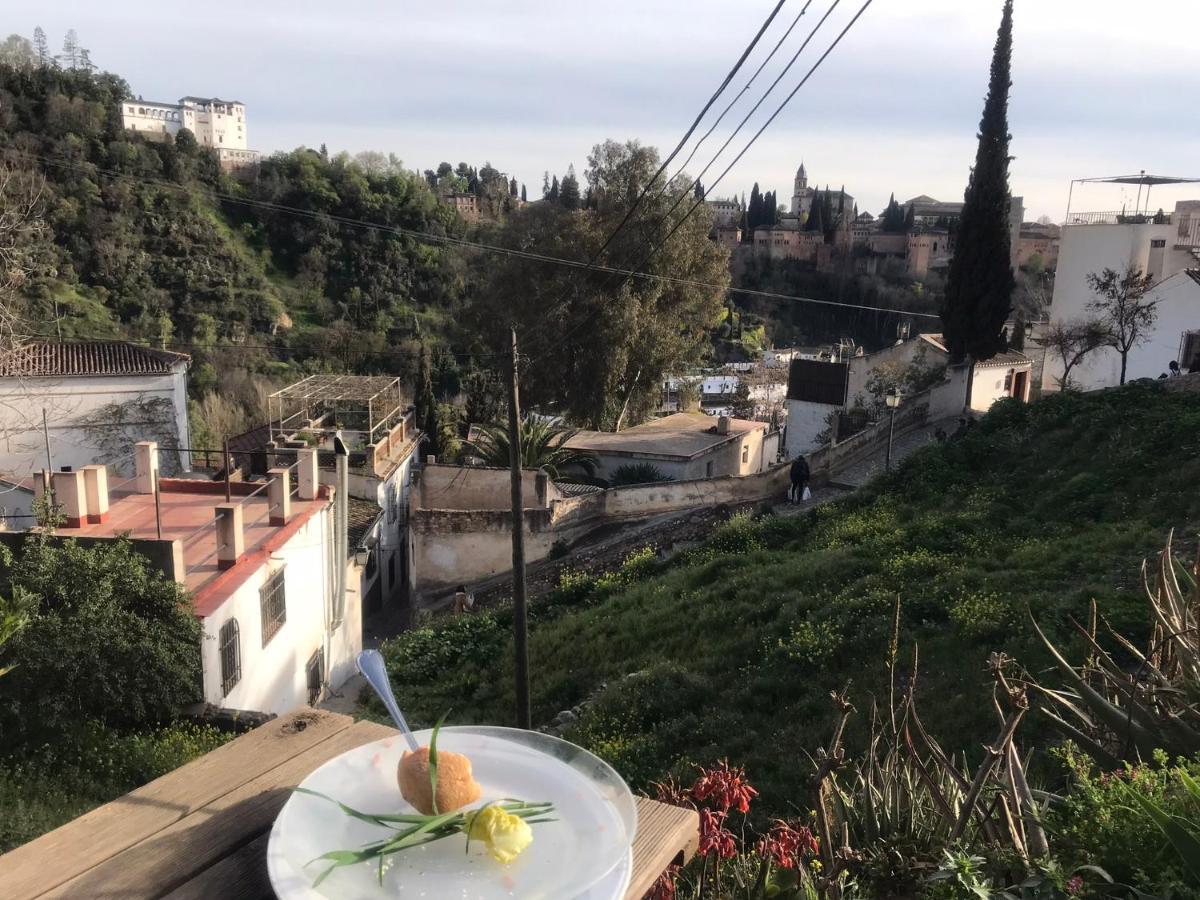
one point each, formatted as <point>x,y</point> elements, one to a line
<point>107,638</point>
<point>1071,342</point>
<point>512,187</point>
<point>485,397</point>
<point>980,282</point>
<point>1122,308</point>
<point>601,344</point>
<point>816,215</point>
<point>70,49</point>
<point>754,213</point>
<point>543,446</point>
<point>910,219</point>
<point>743,406</point>
<point>18,53</point>
<point>568,191</point>
<point>893,217</point>
<point>553,195</point>
<point>425,404</point>
<point>41,46</point>
<point>524,196</point>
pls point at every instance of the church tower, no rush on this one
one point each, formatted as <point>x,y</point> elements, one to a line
<point>802,194</point>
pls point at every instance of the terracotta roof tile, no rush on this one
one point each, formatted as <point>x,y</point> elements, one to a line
<point>43,359</point>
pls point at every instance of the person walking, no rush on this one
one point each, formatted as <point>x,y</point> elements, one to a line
<point>463,602</point>
<point>800,474</point>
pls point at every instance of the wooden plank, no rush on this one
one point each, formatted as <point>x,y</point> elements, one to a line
<point>240,876</point>
<point>177,853</point>
<point>665,835</point>
<point>55,858</point>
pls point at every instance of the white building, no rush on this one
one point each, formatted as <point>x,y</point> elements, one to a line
<point>98,398</point>
<point>1158,246</point>
<point>278,629</point>
<point>219,124</point>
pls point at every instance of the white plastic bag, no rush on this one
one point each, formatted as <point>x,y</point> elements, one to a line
<point>807,495</point>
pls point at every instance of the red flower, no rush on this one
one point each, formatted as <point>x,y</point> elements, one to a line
<point>714,836</point>
<point>786,846</point>
<point>726,787</point>
<point>664,888</point>
<point>1075,885</point>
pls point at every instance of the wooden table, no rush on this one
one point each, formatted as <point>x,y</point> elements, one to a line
<point>200,832</point>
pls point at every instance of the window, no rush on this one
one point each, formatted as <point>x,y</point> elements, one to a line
<point>1158,243</point>
<point>273,603</point>
<point>708,470</point>
<point>745,454</point>
<point>231,656</point>
<point>315,670</point>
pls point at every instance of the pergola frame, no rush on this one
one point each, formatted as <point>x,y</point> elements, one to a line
<point>1141,180</point>
<point>378,396</point>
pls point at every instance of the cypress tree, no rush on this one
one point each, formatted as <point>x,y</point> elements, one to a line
<point>816,215</point>
<point>553,195</point>
<point>910,218</point>
<point>524,196</point>
<point>698,191</point>
<point>755,210</point>
<point>512,187</point>
<point>980,282</point>
<point>426,404</point>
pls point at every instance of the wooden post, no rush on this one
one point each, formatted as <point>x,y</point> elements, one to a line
<point>225,451</point>
<point>520,606</point>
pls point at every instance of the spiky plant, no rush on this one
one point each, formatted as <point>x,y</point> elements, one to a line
<point>1117,711</point>
<point>543,446</point>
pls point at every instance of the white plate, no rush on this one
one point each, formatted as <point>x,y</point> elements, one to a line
<point>585,854</point>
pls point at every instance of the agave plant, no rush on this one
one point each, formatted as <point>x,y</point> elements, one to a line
<point>1121,712</point>
<point>543,446</point>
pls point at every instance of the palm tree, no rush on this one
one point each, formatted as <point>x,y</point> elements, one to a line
<point>542,447</point>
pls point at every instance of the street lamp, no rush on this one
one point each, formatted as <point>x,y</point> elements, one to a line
<point>892,399</point>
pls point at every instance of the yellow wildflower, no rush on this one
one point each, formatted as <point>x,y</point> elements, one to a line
<point>504,834</point>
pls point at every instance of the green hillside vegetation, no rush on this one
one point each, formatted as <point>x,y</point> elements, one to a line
<point>732,650</point>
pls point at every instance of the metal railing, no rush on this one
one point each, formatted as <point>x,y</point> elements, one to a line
<point>1118,217</point>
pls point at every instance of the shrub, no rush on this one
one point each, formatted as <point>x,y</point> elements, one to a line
<point>107,637</point>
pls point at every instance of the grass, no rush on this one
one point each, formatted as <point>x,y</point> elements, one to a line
<point>732,650</point>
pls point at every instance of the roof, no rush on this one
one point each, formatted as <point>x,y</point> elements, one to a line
<point>1006,358</point>
<point>211,100</point>
<point>682,435</point>
<point>361,515</point>
<point>1193,274</point>
<point>43,359</point>
<point>1143,178</point>
<point>575,489</point>
<point>342,388</point>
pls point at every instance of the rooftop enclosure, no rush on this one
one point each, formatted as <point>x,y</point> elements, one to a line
<point>1186,216</point>
<point>370,413</point>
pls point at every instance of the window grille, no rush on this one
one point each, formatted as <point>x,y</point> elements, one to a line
<point>231,656</point>
<point>273,604</point>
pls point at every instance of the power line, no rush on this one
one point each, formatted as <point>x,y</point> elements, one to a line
<point>646,257</point>
<point>558,301</point>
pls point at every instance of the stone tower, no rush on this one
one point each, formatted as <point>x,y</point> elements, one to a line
<point>802,194</point>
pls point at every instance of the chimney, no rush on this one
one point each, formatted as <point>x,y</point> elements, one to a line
<point>95,484</point>
<point>146,464</point>
<point>279,495</point>
<point>231,543</point>
<point>723,425</point>
<point>307,480</point>
<point>71,495</point>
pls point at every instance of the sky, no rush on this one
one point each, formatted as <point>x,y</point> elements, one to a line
<point>1100,87</point>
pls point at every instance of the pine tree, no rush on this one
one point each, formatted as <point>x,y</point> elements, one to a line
<point>568,192</point>
<point>980,282</point>
<point>85,59</point>
<point>70,50</point>
<point>545,185</point>
<point>524,196</point>
<point>553,195</point>
<point>42,46</point>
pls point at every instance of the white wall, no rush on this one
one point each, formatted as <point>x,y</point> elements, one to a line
<point>67,401</point>
<point>273,677</point>
<point>1092,248</point>
<point>805,420</point>
<point>988,386</point>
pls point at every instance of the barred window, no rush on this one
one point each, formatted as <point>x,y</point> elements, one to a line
<point>273,605</point>
<point>231,656</point>
<point>315,670</point>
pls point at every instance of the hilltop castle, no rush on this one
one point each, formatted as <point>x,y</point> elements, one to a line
<point>215,123</point>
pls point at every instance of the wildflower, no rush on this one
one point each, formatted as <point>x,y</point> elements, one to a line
<point>785,845</point>
<point>726,786</point>
<point>664,888</point>
<point>1075,885</point>
<point>504,834</point>
<point>714,836</point>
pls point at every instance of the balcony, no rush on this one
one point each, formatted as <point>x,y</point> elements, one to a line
<point>1118,218</point>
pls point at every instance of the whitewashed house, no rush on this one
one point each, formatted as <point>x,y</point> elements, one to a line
<point>91,401</point>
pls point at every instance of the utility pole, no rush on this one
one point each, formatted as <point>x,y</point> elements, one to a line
<point>520,606</point>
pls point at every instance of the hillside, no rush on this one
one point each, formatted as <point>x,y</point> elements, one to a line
<point>150,241</point>
<point>733,649</point>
